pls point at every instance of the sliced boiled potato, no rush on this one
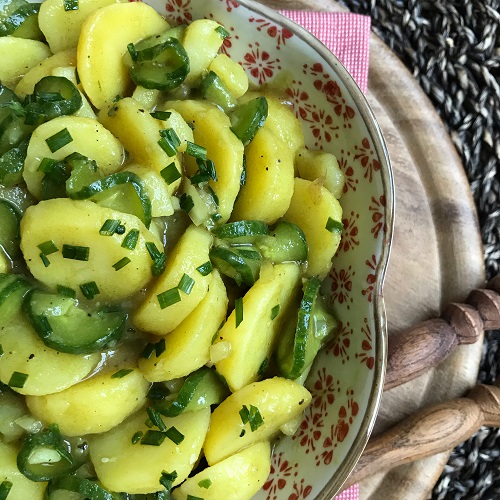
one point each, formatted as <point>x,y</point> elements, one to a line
<point>48,370</point>
<point>253,339</point>
<point>27,83</point>
<point>190,252</point>
<point>231,73</point>
<point>238,477</point>
<point>187,347</point>
<point>202,42</point>
<point>90,139</point>
<point>212,130</point>
<point>268,188</point>
<point>93,406</point>
<point>12,407</point>
<point>70,222</point>
<point>22,487</point>
<point>312,165</point>
<point>62,27</point>
<point>139,133</point>
<point>146,97</point>
<point>311,208</point>
<point>277,400</point>
<point>18,56</point>
<point>103,41</point>
<point>121,465</point>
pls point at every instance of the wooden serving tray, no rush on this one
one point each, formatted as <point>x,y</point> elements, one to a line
<point>437,256</point>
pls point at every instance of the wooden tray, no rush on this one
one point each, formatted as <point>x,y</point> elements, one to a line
<point>437,255</point>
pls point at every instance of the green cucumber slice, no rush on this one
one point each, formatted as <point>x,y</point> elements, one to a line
<point>9,229</point>
<point>12,164</point>
<point>13,288</point>
<point>302,337</point>
<point>201,389</point>
<point>248,118</point>
<point>286,243</point>
<point>242,265</point>
<point>212,89</point>
<point>241,232</point>
<point>12,127</point>
<point>22,22</point>
<point>76,487</point>
<point>66,326</point>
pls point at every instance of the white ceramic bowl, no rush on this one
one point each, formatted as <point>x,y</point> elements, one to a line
<point>346,380</point>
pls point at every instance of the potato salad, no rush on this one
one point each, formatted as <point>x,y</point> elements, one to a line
<point>164,233</point>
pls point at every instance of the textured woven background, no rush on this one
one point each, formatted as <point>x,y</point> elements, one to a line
<point>452,47</point>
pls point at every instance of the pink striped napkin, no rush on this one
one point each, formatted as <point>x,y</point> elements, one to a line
<point>348,37</point>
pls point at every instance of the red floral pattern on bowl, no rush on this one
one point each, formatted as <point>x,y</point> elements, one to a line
<point>346,379</point>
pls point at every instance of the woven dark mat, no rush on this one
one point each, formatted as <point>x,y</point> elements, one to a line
<point>452,47</point>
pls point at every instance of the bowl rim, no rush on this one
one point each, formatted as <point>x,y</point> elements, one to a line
<point>335,483</point>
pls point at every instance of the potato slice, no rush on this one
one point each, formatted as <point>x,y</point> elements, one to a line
<point>69,222</point>
<point>62,27</point>
<point>18,56</point>
<point>187,347</point>
<point>252,340</point>
<point>93,406</point>
<point>103,40</point>
<point>139,133</point>
<point>269,179</point>
<point>90,139</point>
<point>238,477</point>
<point>233,76</point>
<point>27,83</point>
<point>190,252</point>
<point>22,487</point>
<point>48,370</point>
<point>212,130</point>
<point>311,207</point>
<point>121,465</point>
<point>278,401</point>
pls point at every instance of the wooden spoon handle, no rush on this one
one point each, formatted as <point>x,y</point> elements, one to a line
<point>429,431</point>
<point>416,350</point>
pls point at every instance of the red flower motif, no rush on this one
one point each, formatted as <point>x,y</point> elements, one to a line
<point>323,392</point>
<point>340,345</point>
<point>300,490</point>
<point>280,34</point>
<point>321,124</point>
<point>260,64</point>
<point>281,471</point>
<point>350,233</point>
<point>298,99</point>
<point>231,4</point>
<point>350,180</point>
<point>309,431</point>
<point>366,157</point>
<point>342,286</point>
<point>179,11</point>
<point>370,279</point>
<point>378,209</point>
<point>366,354</point>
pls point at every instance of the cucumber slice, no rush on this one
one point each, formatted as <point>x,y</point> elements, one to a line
<point>212,89</point>
<point>65,326</point>
<point>201,389</point>
<point>13,288</point>
<point>12,128</point>
<point>242,265</point>
<point>301,340</point>
<point>9,229</point>
<point>241,232</point>
<point>12,164</point>
<point>286,243</point>
<point>22,22</point>
<point>248,118</point>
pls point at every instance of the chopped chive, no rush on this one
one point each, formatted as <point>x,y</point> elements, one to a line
<point>137,437</point>
<point>169,298</point>
<point>160,347</point>
<point>66,291</point>
<point>169,141</point>
<point>153,251</point>
<point>186,284</point>
<point>213,195</point>
<point>47,165</point>
<point>170,173</point>
<point>48,247</point>
<point>70,5</point>
<point>130,241</point>
<point>109,227</point>
<point>132,51</point>
<point>161,115</point>
<point>153,438</point>
<point>263,366</point>
<point>334,226</point>
<point>186,203</point>
<point>90,289</point>
<point>238,307</point>
<point>196,150</point>
<point>210,166</point>
<point>75,252</point>
<point>200,177</point>
<point>174,435</point>
<point>45,260</point>
<point>122,373</point>
<point>222,32</point>
<point>121,263</point>
<point>158,391</point>
<point>167,479</point>
<point>1,350</point>
<point>192,497</point>
<point>205,269</point>
<point>59,140</point>
<point>255,418</point>
<point>5,488</point>
<point>205,483</point>
<point>148,351</point>
<point>18,380</point>
<point>244,414</point>
<point>159,258</point>
<point>275,311</point>
<point>156,419</point>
